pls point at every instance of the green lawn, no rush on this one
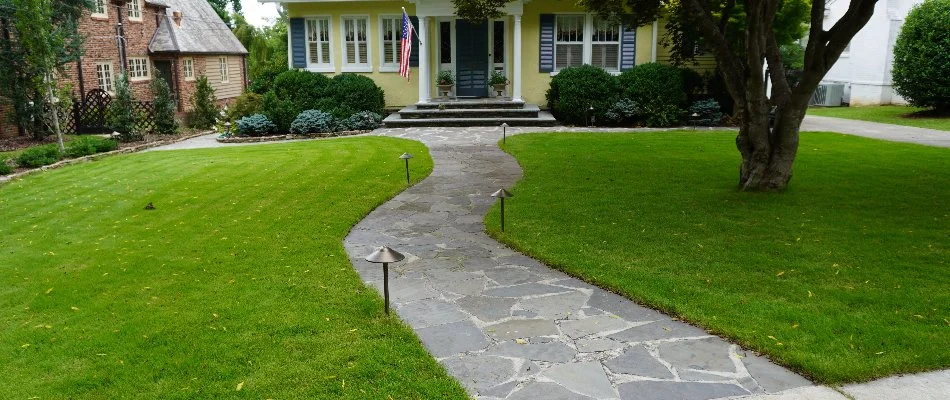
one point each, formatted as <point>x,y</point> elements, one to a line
<point>844,277</point>
<point>897,115</point>
<point>235,286</point>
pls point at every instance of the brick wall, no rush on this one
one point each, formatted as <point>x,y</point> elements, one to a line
<point>7,129</point>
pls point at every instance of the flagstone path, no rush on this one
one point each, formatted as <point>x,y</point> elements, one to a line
<point>508,327</point>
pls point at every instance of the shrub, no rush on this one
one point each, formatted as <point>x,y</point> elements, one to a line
<point>693,84</point>
<point>351,93</point>
<point>255,125</point>
<point>705,113</point>
<point>622,113</point>
<point>575,90</point>
<point>361,121</point>
<point>248,103</point>
<point>313,121</point>
<point>5,168</point>
<point>164,106</point>
<point>654,86</point>
<point>264,80</point>
<point>661,115</point>
<point>306,89</point>
<point>38,156</point>
<point>203,107</point>
<point>281,111</point>
<point>89,145</point>
<point>922,56</point>
<point>122,116</point>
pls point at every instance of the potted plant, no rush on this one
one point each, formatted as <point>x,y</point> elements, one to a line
<point>445,81</point>
<point>498,81</point>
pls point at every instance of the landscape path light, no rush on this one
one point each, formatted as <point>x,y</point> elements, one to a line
<point>504,131</point>
<point>385,255</point>
<point>406,156</point>
<point>502,194</point>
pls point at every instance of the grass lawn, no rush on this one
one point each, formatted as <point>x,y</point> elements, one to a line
<point>897,115</point>
<point>843,278</point>
<point>235,286</point>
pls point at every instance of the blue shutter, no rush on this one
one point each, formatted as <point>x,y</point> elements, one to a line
<point>546,46</point>
<point>628,47</point>
<point>414,56</point>
<point>298,42</point>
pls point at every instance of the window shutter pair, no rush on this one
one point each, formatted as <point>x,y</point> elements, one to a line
<point>298,42</point>
<point>628,45</point>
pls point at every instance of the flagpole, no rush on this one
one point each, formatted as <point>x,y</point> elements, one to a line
<point>419,38</point>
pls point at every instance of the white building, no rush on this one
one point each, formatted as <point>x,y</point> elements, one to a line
<point>865,66</point>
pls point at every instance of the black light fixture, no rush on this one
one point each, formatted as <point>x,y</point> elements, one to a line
<point>504,132</point>
<point>406,156</point>
<point>385,255</point>
<point>502,194</point>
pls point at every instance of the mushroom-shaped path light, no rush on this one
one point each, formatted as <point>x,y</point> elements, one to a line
<point>502,194</point>
<point>406,156</point>
<point>384,255</point>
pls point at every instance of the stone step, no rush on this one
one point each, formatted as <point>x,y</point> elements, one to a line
<point>413,112</point>
<point>470,104</point>
<point>396,121</point>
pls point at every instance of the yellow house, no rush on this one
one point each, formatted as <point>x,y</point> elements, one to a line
<point>529,44</point>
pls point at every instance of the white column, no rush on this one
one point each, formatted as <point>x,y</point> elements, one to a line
<point>516,73</point>
<point>423,61</point>
<point>653,45</point>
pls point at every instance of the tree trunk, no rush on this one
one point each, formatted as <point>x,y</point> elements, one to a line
<point>768,153</point>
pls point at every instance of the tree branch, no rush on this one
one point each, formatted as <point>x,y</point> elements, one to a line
<point>726,14</point>
<point>729,64</point>
<point>780,89</point>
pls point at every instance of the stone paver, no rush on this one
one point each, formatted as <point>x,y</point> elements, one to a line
<point>512,328</point>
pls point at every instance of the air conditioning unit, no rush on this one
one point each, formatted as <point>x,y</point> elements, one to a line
<point>828,94</point>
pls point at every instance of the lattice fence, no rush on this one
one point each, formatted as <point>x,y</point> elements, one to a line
<point>92,115</point>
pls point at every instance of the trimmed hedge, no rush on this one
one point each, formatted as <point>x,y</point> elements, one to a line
<point>575,90</point>
<point>5,169</point>
<point>351,93</point>
<point>89,145</point>
<point>35,157</point>
<point>922,56</point>
<point>312,122</point>
<point>294,92</point>
<point>654,85</point>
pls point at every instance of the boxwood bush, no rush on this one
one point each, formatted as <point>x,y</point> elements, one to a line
<point>5,169</point>
<point>351,93</point>
<point>89,145</point>
<point>255,125</point>
<point>659,90</point>
<point>922,56</point>
<point>38,156</point>
<point>575,90</point>
<point>313,122</point>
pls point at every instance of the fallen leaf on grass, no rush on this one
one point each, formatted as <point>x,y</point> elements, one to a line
<point>780,273</point>
<point>240,386</point>
<point>49,290</point>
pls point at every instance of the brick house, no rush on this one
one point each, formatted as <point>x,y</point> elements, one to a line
<point>177,39</point>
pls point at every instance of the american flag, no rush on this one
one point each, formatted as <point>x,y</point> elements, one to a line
<point>406,46</point>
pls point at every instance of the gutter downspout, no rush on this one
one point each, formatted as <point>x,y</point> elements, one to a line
<point>653,45</point>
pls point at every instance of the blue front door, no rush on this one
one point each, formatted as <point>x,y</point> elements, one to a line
<point>471,77</point>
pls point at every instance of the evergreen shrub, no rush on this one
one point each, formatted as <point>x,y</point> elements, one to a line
<point>575,90</point>
<point>38,156</point>
<point>255,125</point>
<point>921,70</point>
<point>312,122</point>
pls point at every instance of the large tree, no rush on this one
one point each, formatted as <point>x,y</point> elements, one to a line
<point>767,151</point>
<point>37,39</point>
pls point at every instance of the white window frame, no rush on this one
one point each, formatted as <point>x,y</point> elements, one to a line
<point>587,42</point>
<point>188,65</point>
<point>585,56</point>
<point>139,69</point>
<point>592,18</point>
<point>397,45</point>
<point>134,10</point>
<point>101,68</point>
<point>223,69</point>
<point>96,8</point>
<point>366,65</point>
<point>319,67</point>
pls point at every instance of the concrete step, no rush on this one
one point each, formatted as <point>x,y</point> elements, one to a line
<point>470,104</point>
<point>414,112</point>
<point>395,120</point>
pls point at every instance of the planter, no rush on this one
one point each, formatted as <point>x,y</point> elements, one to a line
<point>499,88</point>
<point>444,90</point>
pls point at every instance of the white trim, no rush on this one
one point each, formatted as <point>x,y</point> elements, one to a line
<point>322,67</point>
<point>184,71</point>
<point>133,63</point>
<point>516,54</point>
<point>424,77</point>
<point>128,7</point>
<point>368,62</point>
<point>394,66</point>
<point>105,9</point>
<point>111,77</point>
<point>226,71</point>
<point>587,43</point>
<point>290,44</point>
<point>653,45</point>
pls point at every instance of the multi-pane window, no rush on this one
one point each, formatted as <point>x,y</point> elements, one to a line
<point>138,68</point>
<point>135,10</point>
<point>104,76</point>
<point>188,66</point>
<point>605,44</point>
<point>568,41</point>
<point>355,44</point>
<point>391,32</point>
<point>223,68</point>
<point>318,42</point>
<point>99,8</point>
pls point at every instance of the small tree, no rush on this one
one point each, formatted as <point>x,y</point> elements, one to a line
<point>164,106</point>
<point>203,107</point>
<point>922,56</point>
<point>122,116</point>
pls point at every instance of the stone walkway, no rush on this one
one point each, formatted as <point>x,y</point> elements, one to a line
<point>509,327</point>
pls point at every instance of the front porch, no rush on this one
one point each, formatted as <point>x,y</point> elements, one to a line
<point>470,112</point>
